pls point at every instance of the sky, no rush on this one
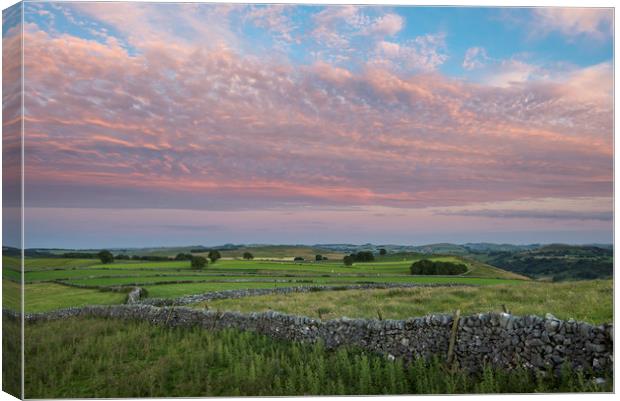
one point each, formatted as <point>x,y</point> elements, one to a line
<point>182,124</point>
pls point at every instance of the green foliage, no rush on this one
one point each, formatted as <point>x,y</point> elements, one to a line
<point>298,259</point>
<point>318,258</point>
<point>558,262</point>
<point>382,252</point>
<point>79,255</point>
<point>84,358</point>
<point>248,256</point>
<point>105,256</point>
<point>348,260</point>
<point>214,256</point>
<point>11,356</point>
<point>198,262</point>
<point>363,256</point>
<point>184,256</point>
<point>430,268</point>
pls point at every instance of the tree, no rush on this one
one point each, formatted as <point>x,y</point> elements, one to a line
<point>382,252</point>
<point>248,256</point>
<point>298,259</point>
<point>348,260</point>
<point>184,256</point>
<point>214,256</point>
<point>318,258</point>
<point>106,256</point>
<point>429,267</point>
<point>363,256</point>
<point>198,262</point>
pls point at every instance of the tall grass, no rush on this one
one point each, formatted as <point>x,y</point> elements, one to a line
<point>11,356</point>
<point>589,301</point>
<point>82,358</point>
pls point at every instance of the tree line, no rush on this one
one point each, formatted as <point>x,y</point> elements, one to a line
<point>429,268</point>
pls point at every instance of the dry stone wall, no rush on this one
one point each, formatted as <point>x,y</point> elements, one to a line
<point>250,292</point>
<point>497,339</point>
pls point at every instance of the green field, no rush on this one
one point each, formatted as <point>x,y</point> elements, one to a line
<point>43,297</point>
<point>585,301</point>
<point>169,279</point>
<point>490,287</point>
<point>85,358</point>
<point>98,357</point>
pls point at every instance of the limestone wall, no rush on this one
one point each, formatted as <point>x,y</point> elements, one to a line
<point>499,339</point>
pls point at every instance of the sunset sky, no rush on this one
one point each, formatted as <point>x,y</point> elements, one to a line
<point>180,124</point>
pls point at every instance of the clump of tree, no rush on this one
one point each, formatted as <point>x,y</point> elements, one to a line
<point>382,252</point>
<point>151,258</point>
<point>78,255</point>
<point>318,258</point>
<point>184,256</point>
<point>298,259</point>
<point>122,257</point>
<point>105,256</point>
<point>214,255</point>
<point>248,256</point>
<point>429,268</point>
<point>362,256</point>
<point>199,262</point>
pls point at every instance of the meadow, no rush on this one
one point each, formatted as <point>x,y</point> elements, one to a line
<point>584,301</point>
<point>54,283</point>
<point>87,357</point>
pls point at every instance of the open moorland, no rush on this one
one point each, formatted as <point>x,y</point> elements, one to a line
<point>55,282</point>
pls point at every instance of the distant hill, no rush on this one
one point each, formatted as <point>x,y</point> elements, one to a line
<point>489,247</point>
<point>555,262</point>
<point>443,248</point>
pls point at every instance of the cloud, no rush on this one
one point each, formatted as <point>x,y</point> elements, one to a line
<point>386,25</point>
<point>533,214</point>
<point>508,72</point>
<point>423,53</point>
<point>475,57</point>
<point>333,25</point>
<point>346,32</point>
<point>275,19</point>
<point>170,123</point>
<point>596,23</point>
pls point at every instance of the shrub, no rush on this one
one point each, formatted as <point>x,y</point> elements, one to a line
<point>318,258</point>
<point>429,268</point>
<point>298,259</point>
<point>348,260</point>
<point>248,256</point>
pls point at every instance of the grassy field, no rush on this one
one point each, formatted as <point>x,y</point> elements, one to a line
<point>11,294</point>
<point>43,297</point>
<point>107,358</point>
<point>168,279</point>
<point>590,301</point>
<point>175,278</point>
<point>282,252</point>
<point>84,358</point>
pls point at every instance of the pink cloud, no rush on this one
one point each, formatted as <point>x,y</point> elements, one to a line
<point>574,21</point>
<point>181,121</point>
<point>386,25</point>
